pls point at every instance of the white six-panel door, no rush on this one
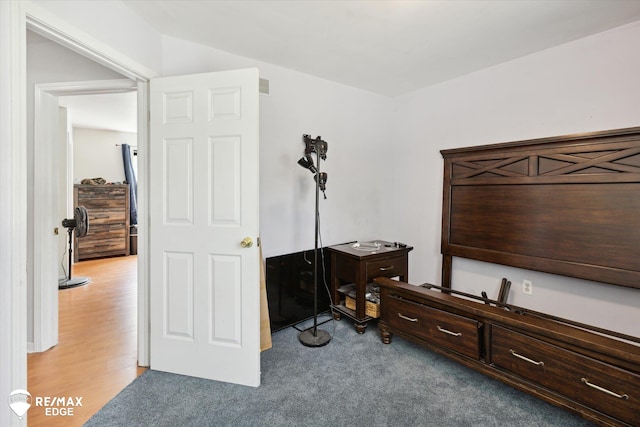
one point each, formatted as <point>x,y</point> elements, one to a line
<point>204,285</point>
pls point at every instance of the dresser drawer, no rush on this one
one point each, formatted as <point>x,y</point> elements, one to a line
<point>102,194</point>
<point>102,203</point>
<point>106,216</point>
<point>91,247</point>
<point>390,267</point>
<point>606,388</point>
<point>99,232</point>
<point>457,333</point>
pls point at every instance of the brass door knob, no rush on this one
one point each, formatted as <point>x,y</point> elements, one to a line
<point>247,242</point>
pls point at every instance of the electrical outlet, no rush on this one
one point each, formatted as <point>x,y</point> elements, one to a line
<point>527,287</point>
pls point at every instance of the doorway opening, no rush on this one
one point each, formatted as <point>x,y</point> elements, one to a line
<point>58,117</point>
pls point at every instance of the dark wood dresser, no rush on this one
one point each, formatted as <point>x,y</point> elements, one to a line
<point>108,211</point>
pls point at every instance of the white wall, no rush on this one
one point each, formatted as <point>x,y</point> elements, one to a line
<point>95,154</point>
<point>587,85</point>
<point>355,123</point>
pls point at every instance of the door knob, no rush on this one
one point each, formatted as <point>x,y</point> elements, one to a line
<point>246,242</point>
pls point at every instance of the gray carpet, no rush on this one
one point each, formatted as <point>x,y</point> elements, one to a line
<point>353,381</point>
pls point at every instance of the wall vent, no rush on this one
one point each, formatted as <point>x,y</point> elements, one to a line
<point>264,87</point>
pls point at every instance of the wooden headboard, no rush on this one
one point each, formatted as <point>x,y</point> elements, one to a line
<point>567,205</point>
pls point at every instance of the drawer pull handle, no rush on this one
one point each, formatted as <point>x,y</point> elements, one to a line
<point>386,268</point>
<point>455,334</point>
<point>604,390</point>
<point>410,319</point>
<point>519,356</point>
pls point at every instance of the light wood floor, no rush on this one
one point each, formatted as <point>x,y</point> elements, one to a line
<point>96,354</point>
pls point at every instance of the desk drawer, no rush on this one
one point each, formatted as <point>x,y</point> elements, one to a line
<point>390,267</point>
<point>457,333</point>
<point>606,388</point>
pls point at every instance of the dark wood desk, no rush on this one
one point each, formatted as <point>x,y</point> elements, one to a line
<point>360,263</point>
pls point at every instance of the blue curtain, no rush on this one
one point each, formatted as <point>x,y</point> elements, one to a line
<point>130,177</point>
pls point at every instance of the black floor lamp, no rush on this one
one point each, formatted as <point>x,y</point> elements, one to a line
<point>314,337</point>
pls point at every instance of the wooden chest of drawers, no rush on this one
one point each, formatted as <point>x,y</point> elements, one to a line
<point>592,373</point>
<point>108,210</point>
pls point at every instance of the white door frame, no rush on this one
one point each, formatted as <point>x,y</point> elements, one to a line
<point>15,18</point>
<point>62,33</point>
<point>13,210</point>
<point>45,297</point>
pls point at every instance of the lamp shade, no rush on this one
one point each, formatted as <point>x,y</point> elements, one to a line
<point>307,163</point>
